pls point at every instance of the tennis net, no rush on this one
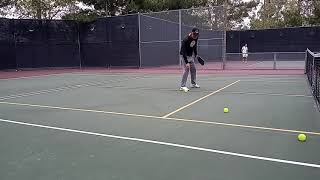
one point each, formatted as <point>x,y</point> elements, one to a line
<point>313,73</point>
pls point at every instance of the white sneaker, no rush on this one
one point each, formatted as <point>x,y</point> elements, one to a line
<point>195,86</point>
<point>185,89</point>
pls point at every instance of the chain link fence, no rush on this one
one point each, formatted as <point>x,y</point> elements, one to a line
<point>161,34</point>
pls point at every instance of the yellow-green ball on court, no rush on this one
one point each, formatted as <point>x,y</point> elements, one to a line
<point>225,110</point>
<point>302,137</point>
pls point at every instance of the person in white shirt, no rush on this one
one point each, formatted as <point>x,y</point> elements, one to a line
<point>244,51</point>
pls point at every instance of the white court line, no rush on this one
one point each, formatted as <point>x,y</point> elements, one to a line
<point>202,91</point>
<point>269,94</point>
<point>60,89</point>
<point>255,79</point>
<point>280,81</point>
<point>200,99</point>
<point>64,88</point>
<point>35,76</point>
<point>104,74</point>
<point>45,91</point>
<point>255,64</point>
<point>67,73</point>
<point>168,144</point>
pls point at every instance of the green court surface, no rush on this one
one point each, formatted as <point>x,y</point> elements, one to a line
<point>141,127</point>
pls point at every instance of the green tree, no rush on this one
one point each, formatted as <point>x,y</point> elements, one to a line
<point>114,7</point>
<point>314,18</point>
<point>237,10</point>
<point>291,18</point>
<point>269,16</point>
<point>82,16</point>
<point>290,13</point>
<point>4,3</point>
<point>107,7</point>
<point>43,9</point>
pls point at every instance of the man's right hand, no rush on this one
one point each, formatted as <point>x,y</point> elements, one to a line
<point>188,65</point>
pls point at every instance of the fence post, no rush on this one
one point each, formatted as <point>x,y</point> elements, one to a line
<point>274,61</point>
<point>180,33</point>
<point>79,46</point>
<point>139,27</point>
<point>224,45</point>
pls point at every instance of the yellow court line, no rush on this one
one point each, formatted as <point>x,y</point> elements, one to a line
<point>190,104</point>
<point>167,119</point>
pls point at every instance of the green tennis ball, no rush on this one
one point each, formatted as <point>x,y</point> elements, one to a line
<point>226,110</point>
<point>302,137</point>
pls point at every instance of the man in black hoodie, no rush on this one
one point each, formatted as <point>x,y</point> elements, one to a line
<point>188,54</point>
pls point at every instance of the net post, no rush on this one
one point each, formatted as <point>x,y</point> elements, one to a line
<point>180,33</point>
<point>313,74</point>
<point>317,79</point>
<point>305,59</point>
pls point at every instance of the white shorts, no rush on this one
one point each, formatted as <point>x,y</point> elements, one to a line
<point>245,55</point>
